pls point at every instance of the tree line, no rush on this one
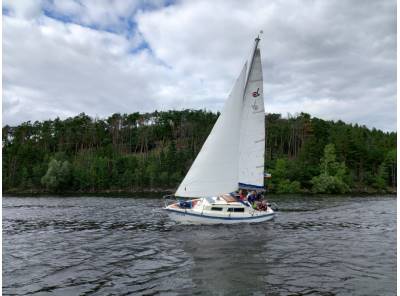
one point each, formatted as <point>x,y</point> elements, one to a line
<point>153,151</point>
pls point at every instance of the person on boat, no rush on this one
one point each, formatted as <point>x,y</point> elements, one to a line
<point>251,197</point>
<point>262,206</point>
<point>242,195</point>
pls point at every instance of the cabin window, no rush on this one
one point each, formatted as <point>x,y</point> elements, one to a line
<point>240,210</point>
<point>216,209</point>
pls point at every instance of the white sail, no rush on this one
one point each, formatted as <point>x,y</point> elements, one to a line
<point>215,170</point>
<point>252,134</point>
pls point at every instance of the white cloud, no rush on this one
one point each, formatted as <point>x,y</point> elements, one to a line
<point>24,9</point>
<point>114,15</point>
<point>322,57</point>
<point>103,13</point>
<point>56,67</point>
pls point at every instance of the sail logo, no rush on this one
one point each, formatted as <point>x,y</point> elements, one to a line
<point>256,93</point>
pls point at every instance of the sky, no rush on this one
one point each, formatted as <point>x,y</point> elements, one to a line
<point>333,59</point>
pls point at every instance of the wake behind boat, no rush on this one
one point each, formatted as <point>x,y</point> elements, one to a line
<point>231,159</point>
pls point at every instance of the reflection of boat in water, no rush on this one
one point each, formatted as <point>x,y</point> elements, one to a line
<point>232,158</point>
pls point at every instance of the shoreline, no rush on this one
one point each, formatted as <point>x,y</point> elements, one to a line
<point>161,192</point>
<point>105,193</point>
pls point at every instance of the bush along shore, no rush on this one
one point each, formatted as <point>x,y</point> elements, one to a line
<point>151,152</point>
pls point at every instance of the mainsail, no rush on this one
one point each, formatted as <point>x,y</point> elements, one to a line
<point>252,134</point>
<point>233,155</point>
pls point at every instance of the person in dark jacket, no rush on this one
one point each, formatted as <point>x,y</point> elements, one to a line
<point>251,197</point>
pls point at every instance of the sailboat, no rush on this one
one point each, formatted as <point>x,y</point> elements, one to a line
<point>231,159</point>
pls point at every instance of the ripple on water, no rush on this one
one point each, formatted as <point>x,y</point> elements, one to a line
<point>104,246</point>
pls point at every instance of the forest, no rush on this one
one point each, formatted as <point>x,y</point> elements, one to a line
<point>153,151</point>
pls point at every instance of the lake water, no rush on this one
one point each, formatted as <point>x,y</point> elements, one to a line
<point>128,246</point>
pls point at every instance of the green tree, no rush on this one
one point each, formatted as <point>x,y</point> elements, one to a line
<point>164,179</point>
<point>391,165</point>
<point>25,178</point>
<point>332,174</point>
<point>286,186</point>
<point>152,173</point>
<point>143,151</point>
<point>58,175</point>
<point>381,178</point>
<point>128,179</point>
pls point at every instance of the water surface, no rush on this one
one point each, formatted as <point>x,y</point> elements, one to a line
<point>128,246</point>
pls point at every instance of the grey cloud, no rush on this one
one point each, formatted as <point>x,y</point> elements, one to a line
<point>333,59</point>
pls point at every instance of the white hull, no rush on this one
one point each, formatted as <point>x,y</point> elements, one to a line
<point>188,218</point>
<point>217,210</point>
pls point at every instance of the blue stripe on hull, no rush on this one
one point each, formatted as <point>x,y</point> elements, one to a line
<point>220,218</point>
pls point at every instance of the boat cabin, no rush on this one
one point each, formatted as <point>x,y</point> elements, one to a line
<point>224,204</point>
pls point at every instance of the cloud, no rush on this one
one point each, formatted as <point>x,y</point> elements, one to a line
<point>332,59</point>
<point>65,69</point>
<point>23,9</point>
<point>103,14</point>
<point>314,52</point>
